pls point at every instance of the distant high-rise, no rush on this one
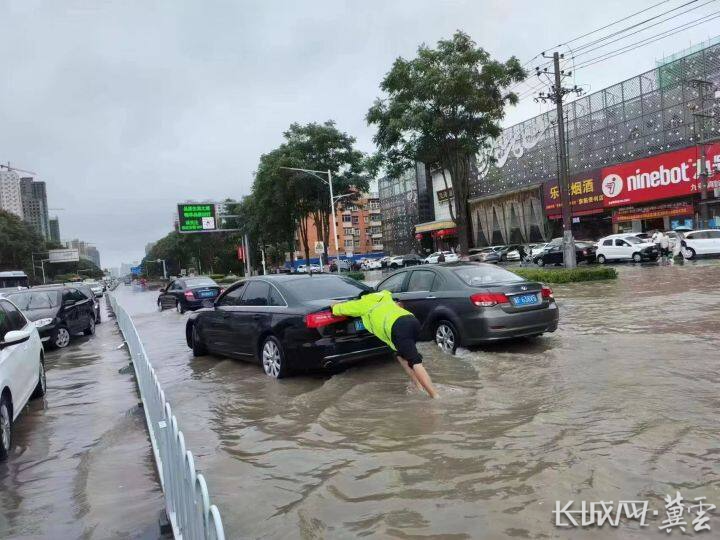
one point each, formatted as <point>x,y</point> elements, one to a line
<point>86,251</point>
<point>10,197</point>
<point>35,206</point>
<point>54,225</point>
<point>148,247</point>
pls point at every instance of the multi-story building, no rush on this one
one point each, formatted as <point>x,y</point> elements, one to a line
<point>359,227</point>
<point>399,209</point>
<point>633,154</point>
<point>35,206</point>
<point>86,251</point>
<point>10,196</point>
<point>54,226</point>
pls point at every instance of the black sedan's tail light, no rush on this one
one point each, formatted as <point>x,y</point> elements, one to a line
<point>547,293</point>
<point>489,299</point>
<point>322,318</point>
<point>189,295</point>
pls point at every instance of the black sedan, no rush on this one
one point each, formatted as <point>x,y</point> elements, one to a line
<point>58,313</point>
<point>468,303</point>
<point>285,324</point>
<point>189,293</point>
<point>553,254</point>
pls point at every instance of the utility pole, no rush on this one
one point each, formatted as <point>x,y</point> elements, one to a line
<point>556,96</point>
<point>700,115</point>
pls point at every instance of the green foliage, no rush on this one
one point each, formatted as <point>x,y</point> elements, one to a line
<point>357,276</point>
<point>216,277</point>
<point>442,108</point>
<point>17,243</point>
<point>562,275</point>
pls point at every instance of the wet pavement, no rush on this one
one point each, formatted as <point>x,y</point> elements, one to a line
<point>81,465</point>
<point>621,403</point>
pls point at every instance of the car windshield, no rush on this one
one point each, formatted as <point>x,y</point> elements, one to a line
<point>200,282</point>
<point>35,300</point>
<point>476,276</point>
<point>633,240</point>
<point>324,288</point>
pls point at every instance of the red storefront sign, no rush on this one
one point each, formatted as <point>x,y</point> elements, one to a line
<point>654,211</point>
<point>585,195</point>
<point>666,176</point>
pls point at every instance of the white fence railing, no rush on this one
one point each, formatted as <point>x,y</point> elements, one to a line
<point>187,501</point>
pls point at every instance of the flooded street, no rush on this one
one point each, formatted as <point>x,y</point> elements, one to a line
<point>81,466</point>
<point>619,404</point>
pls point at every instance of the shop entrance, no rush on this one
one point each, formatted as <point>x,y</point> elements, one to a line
<point>652,224</point>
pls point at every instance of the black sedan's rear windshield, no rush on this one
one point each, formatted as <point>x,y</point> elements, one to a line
<point>477,276</point>
<point>324,288</point>
<point>200,282</point>
<point>28,301</point>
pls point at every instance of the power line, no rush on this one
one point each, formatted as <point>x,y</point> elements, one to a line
<point>648,41</point>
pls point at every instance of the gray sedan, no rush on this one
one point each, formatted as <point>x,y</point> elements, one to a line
<point>468,303</point>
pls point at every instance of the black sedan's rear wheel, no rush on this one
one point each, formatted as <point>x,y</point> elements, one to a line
<point>198,347</point>
<point>180,307</point>
<point>273,358</point>
<point>90,330</point>
<point>447,336</point>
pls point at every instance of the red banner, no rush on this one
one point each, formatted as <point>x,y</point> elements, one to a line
<point>666,176</point>
<point>585,195</point>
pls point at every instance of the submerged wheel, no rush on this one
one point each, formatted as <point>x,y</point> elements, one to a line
<point>180,307</point>
<point>637,257</point>
<point>689,253</point>
<point>61,337</point>
<point>90,330</point>
<point>198,347</point>
<point>447,337</point>
<point>273,358</point>
<point>41,387</point>
<point>5,427</point>
<point>601,259</point>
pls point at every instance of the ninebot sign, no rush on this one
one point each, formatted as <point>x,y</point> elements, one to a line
<point>197,217</point>
<point>612,185</point>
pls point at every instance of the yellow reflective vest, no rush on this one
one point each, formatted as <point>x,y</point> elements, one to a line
<point>378,312</point>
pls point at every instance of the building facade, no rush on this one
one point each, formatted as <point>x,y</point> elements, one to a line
<point>633,156</point>
<point>54,226</point>
<point>86,251</point>
<point>10,195</point>
<point>35,206</point>
<point>359,228</point>
<point>399,209</point>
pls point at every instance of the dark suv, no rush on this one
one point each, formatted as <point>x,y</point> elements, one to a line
<point>58,312</point>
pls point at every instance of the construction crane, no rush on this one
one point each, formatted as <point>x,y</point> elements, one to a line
<point>9,168</point>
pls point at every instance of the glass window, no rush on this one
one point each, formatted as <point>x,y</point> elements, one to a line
<point>325,288</point>
<point>276,298</point>
<point>619,242</point>
<point>393,283</point>
<point>200,282</point>
<point>4,323</point>
<point>477,275</point>
<point>15,319</point>
<point>355,220</point>
<point>633,240</point>
<point>256,294</point>
<point>77,295</point>
<point>713,234</point>
<point>232,296</point>
<point>347,218</point>
<point>421,280</point>
<point>27,301</point>
<point>607,243</point>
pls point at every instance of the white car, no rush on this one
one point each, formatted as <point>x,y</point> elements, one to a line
<point>371,264</point>
<point>22,369</point>
<point>537,250</point>
<point>433,257</point>
<point>625,247</point>
<point>702,242</point>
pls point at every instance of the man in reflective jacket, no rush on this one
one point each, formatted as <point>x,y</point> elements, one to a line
<point>395,326</point>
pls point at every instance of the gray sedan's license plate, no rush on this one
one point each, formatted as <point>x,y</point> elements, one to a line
<point>524,299</point>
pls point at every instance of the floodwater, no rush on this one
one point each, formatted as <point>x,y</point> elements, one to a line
<point>81,464</point>
<point>621,403</point>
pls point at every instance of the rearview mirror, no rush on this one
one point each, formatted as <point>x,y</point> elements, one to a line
<point>14,337</point>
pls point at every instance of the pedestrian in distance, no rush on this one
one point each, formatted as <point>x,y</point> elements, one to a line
<point>395,326</point>
<point>441,257</point>
<point>523,254</point>
<point>655,238</point>
<point>664,246</point>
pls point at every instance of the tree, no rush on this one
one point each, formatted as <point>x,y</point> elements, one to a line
<point>442,108</point>
<point>17,243</point>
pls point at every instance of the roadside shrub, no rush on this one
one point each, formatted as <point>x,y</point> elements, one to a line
<point>563,275</point>
<point>217,277</point>
<point>357,276</point>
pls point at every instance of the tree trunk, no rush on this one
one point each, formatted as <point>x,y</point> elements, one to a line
<point>459,166</point>
<point>304,238</point>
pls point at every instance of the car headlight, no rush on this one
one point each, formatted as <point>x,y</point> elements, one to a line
<point>42,322</point>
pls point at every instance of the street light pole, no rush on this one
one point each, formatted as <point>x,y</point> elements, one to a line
<point>164,269</point>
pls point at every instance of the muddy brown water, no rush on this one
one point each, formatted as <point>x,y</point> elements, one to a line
<point>621,403</point>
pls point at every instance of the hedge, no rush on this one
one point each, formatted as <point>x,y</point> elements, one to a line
<point>357,276</point>
<point>563,275</point>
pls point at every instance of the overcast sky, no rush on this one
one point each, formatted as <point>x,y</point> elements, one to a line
<point>125,107</point>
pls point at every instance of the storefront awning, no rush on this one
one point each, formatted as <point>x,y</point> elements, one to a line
<point>434,225</point>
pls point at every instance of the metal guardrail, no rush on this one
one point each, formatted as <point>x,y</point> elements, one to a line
<point>187,501</point>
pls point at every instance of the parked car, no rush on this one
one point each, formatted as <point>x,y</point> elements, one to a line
<point>384,261</point>
<point>343,264</point>
<point>508,253</point>
<point>305,269</point>
<point>619,247</point>
<point>371,264</point>
<point>486,255</point>
<point>468,303</point>
<point>58,313</point>
<point>400,261</point>
<point>538,249</point>
<point>449,257</point>
<point>96,287</point>
<point>285,324</point>
<point>22,369</point>
<point>13,278</point>
<point>702,242</point>
<point>188,293</point>
<point>87,292</point>
<point>589,250</point>
<point>554,254</point>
